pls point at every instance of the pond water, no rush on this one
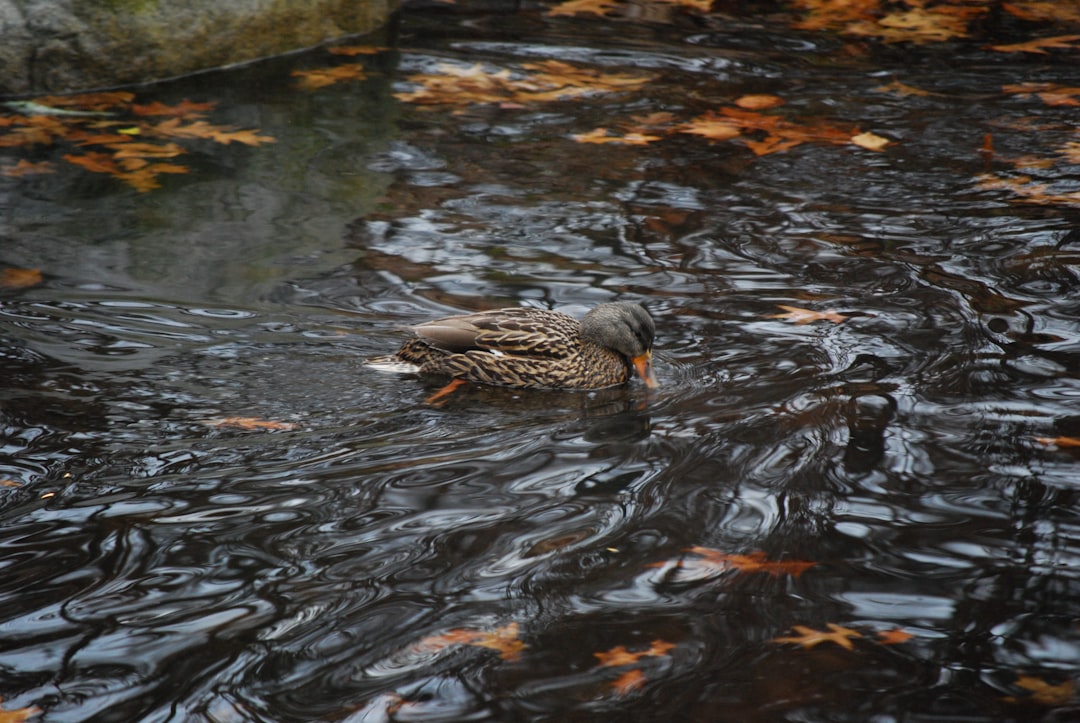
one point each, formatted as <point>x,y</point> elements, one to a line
<point>213,511</point>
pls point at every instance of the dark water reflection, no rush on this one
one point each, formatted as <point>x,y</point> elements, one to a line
<point>157,566</point>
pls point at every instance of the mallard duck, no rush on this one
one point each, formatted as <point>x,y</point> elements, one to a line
<point>528,348</point>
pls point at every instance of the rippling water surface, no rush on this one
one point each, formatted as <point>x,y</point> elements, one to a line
<point>356,554</point>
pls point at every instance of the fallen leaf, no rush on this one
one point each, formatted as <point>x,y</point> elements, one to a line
<point>93,161</point>
<point>504,639</point>
<point>808,637</point>
<point>1039,45</point>
<point>808,316</point>
<point>834,14</point>
<point>601,135</point>
<point>1051,94</point>
<point>354,50</point>
<point>578,7</point>
<point>894,636</point>
<point>628,682</point>
<point>1059,441</point>
<point>903,89</point>
<point>918,24</point>
<point>27,168</point>
<point>19,714</point>
<point>249,423</point>
<point>183,109</point>
<point>174,128</point>
<point>132,149</point>
<point>322,77</point>
<point>759,102</point>
<point>870,141</point>
<point>1044,11</point>
<point>89,101</point>
<point>13,278</point>
<point>619,655</point>
<point>1028,190</point>
<point>1044,693</point>
<point>713,562</point>
<point>545,81</point>
<point>10,483</point>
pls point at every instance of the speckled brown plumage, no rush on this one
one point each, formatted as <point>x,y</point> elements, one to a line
<point>536,348</point>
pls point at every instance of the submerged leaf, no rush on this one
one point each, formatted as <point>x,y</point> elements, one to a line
<point>809,637</point>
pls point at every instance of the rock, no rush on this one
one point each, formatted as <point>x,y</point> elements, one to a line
<point>59,46</point>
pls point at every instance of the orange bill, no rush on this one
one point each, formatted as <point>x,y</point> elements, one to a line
<point>643,364</point>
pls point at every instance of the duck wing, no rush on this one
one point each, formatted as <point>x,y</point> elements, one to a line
<point>511,332</point>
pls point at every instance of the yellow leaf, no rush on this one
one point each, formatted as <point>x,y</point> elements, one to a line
<point>870,141</point>
<point>577,7</point>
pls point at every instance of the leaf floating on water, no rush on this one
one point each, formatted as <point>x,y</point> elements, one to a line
<point>601,135</point>
<point>1062,442</point>
<point>628,682</point>
<point>18,715</point>
<point>322,77</point>
<point>619,655</point>
<point>1039,11</point>
<point>712,562</point>
<point>870,141</point>
<point>894,636</point>
<point>183,109</point>
<point>354,50</point>
<point>584,7</point>
<point>505,640</point>
<point>809,637</point>
<point>1040,45</point>
<point>13,278</point>
<point>808,316</point>
<point>759,102</point>
<point>1042,692</point>
<point>27,168</point>
<point>250,423</point>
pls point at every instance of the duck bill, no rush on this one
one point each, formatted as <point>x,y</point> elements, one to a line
<point>643,364</point>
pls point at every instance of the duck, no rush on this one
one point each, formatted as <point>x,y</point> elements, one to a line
<point>532,348</point>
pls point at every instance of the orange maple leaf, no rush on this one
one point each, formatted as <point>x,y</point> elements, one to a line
<point>808,637</point>
<point>1039,45</point>
<point>88,101</point>
<point>27,168</point>
<point>619,655</point>
<point>834,14</point>
<point>13,278</point>
<point>131,149</point>
<point>894,636</point>
<point>629,681</point>
<point>504,639</point>
<point>1043,692</point>
<point>173,128</point>
<point>807,316</point>
<point>918,24</point>
<point>19,715</point>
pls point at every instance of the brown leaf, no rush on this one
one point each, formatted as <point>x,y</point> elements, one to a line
<point>174,128</point>
<point>834,14</point>
<point>132,149</point>
<point>808,316</point>
<point>322,77</point>
<point>183,109</point>
<point>759,102</point>
<point>27,168</point>
<point>94,161</point>
<point>1039,45</point>
<point>918,24</point>
<point>1044,11</point>
<point>13,278</point>
<point>354,50</point>
<point>808,637</point>
<point>619,655</point>
<point>93,102</point>
<point>1044,693</point>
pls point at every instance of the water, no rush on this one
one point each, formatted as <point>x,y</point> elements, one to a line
<point>344,556</point>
